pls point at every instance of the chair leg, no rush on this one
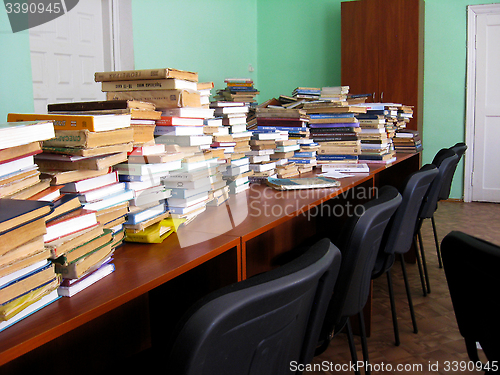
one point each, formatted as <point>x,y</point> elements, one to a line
<point>352,346</point>
<point>419,263</point>
<point>436,240</point>
<point>424,263</point>
<point>393,308</point>
<point>364,344</point>
<point>408,294</point>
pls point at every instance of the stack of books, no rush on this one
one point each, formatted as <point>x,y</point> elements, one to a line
<point>19,143</point>
<point>142,115</point>
<point>86,149</point>
<point>335,93</point>
<point>190,186</point>
<point>81,248</point>
<point>184,127</point>
<point>165,88</point>
<point>407,141</point>
<point>237,175</point>
<point>28,280</point>
<point>147,166</point>
<point>238,90</point>
<point>335,128</point>
<point>307,93</point>
<point>266,142</point>
<point>205,91</point>
<point>377,132</point>
<point>287,170</point>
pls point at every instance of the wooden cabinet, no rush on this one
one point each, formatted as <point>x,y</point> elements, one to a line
<point>382,51</point>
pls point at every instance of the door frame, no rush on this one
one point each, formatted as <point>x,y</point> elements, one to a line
<point>472,12</point>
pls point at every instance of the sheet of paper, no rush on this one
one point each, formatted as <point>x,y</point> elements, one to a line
<point>335,174</point>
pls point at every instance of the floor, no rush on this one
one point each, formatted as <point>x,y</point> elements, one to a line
<point>438,343</point>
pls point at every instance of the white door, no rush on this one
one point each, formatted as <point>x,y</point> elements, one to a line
<point>485,150</point>
<point>65,54</point>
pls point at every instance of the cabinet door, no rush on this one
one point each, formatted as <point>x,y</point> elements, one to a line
<point>400,60</point>
<point>360,27</point>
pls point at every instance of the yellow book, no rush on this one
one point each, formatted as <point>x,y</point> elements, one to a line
<point>94,123</point>
<point>155,233</point>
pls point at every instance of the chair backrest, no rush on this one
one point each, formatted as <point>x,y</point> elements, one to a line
<point>399,234</point>
<point>359,244</point>
<point>262,324</point>
<point>459,149</point>
<point>472,269</point>
<point>446,162</point>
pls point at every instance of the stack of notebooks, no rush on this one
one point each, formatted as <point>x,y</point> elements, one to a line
<point>335,128</point>
<point>238,90</point>
<point>165,88</point>
<point>143,174</point>
<point>19,143</point>
<point>28,280</point>
<point>407,141</point>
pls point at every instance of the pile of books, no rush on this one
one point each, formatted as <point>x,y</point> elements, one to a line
<point>335,128</point>
<point>307,93</point>
<point>238,90</point>
<point>19,143</point>
<point>142,115</point>
<point>407,141</point>
<point>205,91</point>
<point>334,93</point>
<point>147,166</point>
<point>165,88</point>
<point>28,280</point>
<point>377,132</point>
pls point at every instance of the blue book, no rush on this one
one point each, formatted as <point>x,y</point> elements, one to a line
<point>282,128</point>
<point>305,154</point>
<point>335,125</point>
<point>330,115</point>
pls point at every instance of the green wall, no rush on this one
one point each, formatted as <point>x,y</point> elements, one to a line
<point>16,93</point>
<point>289,43</point>
<point>215,38</point>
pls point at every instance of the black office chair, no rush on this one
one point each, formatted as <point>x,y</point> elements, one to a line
<point>359,243</point>
<point>263,325</point>
<point>446,161</point>
<point>400,235</point>
<point>472,267</point>
<point>459,149</point>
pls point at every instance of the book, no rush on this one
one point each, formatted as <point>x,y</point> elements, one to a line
<point>36,305</point>
<point>62,245</point>
<point>26,282</point>
<point>100,192</point>
<point>90,183</point>
<point>179,130</point>
<point>179,121</point>
<point>185,140</point>
<point>348,168</point>
<point>16,165</point>
<point>70,289</point>
<point>17,212</point>
<point>86,248</point>
<point>109,201</point>
<point>147,169</point>
<point>86,263</point>
<point>96,151</point>
<point>23,256</point>
<point>148,213</point>
<point>13,153</point>
<point>160,98</point>
<point>98,105</point>
<point>149,84</point>
<point>204,113</point>
<point>19,235</point>
<point>69,223</point>
<point>88,139</point>
<point>68,163</point>
<point>64,177</point>
<point>50,194</point>
<point>24,132</point>
<point>76,122</point>
<point>302,183</point>
<point>140,74</point>
<point>32,190</point>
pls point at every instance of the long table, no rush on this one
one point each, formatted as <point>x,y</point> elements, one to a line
<point>153,284</point>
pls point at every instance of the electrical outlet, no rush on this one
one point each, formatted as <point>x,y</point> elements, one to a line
<point>250,68</point>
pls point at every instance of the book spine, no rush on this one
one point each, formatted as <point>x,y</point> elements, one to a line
<point>61,122</point>
<point>151,84</point>
<point>161,98</point>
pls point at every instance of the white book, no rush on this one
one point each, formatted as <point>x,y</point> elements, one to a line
<point>147,169</point>
<point>196,112</point>
<point>16,165</point>
<point>110,201</point>
<point>262,167</point>
<point>85,282</point>
<point>185,140</point>
<point>100,193</point>
<point>90,183</point>
<point>178,130</point>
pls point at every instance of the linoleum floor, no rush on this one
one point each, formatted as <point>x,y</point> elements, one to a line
<point>438,344</point>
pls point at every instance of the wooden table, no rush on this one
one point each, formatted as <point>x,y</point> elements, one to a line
<point>154,284</point>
